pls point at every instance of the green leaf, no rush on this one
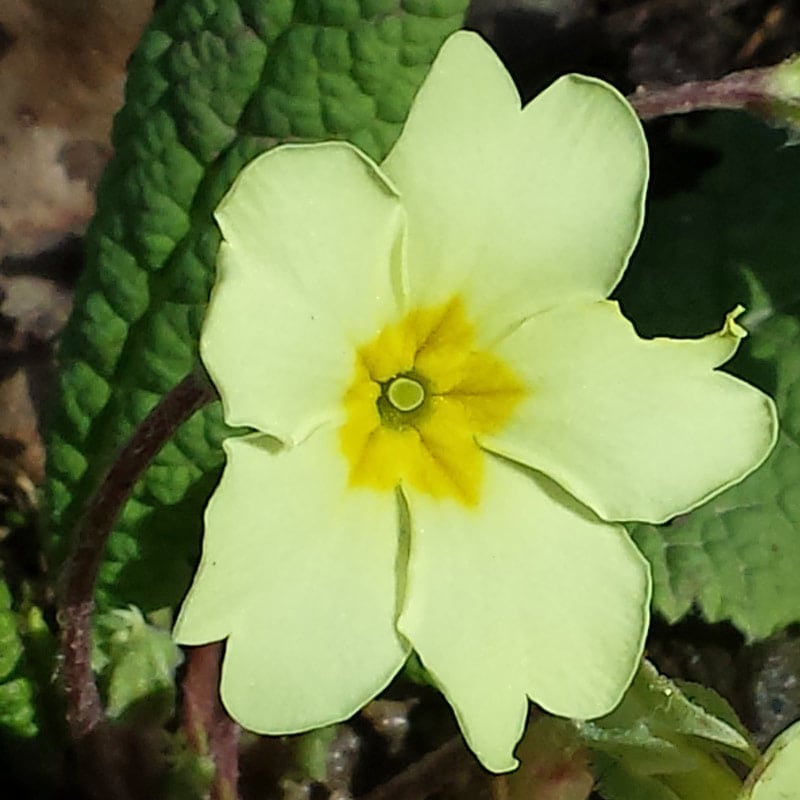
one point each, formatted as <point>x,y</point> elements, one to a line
<point>33,751</point>
<point>660,744</point>
<point>716,706</point>
<point>656,715</point>
<point>137,663</point>
<point>732,239</point>
<point>10,642</point>
<point>191,775</point>
<point>620,783</point>
<point>664,709</point>
<point>212,83</point>
<point>17,702</point>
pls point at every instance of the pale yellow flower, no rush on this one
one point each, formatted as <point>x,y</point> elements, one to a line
<point>450,417</point>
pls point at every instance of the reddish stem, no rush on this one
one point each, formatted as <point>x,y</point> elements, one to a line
<point>208,728</point>
<point>739,90</point>
<point>84,709</point>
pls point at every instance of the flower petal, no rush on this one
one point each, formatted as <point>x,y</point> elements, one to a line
<point>299,571</point>
<point>635,428</point>
<point>518,210</point>
<point>306,272</point>
<point>777,775</point>
<point>527,594</point>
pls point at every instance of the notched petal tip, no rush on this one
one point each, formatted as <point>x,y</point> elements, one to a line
<point>251,186</point>
<point>534,582</point>
<point>521,208</point>
<point>280,592</point>
<point>595,105</point>
<point>312,253</point>
<point>731,327</point>
<point>655,428</point>
<point>729,336</point>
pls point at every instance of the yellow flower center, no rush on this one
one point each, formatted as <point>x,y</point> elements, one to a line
<point>420,396</point>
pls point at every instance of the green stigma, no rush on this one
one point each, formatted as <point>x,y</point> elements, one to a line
<point>405,394</point>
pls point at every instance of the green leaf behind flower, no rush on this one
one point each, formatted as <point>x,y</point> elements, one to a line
<point>212,83</point>
<point>731,239</point>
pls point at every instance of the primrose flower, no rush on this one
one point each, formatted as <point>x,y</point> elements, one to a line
<point>450,418</point>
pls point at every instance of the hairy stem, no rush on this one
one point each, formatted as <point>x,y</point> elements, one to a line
<point>747,89</point>
<point>84,709</point>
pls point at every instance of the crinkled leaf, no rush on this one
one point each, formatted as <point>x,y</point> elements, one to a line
<point>32,730</point>
<point>732,238</point>
<point>17,701</point>
<point>10,642</point>
<point>212,83</point>
<point>17,707</point>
